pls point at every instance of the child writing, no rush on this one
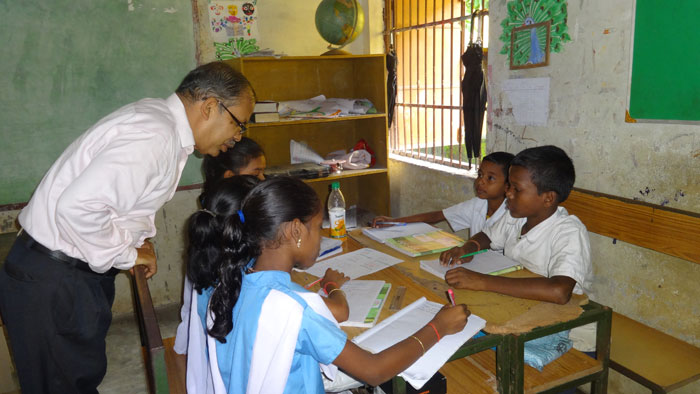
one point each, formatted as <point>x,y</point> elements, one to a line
<point>481,211</point>
<point>539,234</point>
<point>268,339</point>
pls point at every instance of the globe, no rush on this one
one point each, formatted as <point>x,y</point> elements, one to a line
<point>339,22</point>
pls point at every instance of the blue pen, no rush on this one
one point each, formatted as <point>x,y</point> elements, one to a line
<point>394,223</point>
<point>325,252</point>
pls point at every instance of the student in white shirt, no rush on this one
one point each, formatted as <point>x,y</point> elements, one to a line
<point>539,234</point>
<point>477,213</point>
<point>91,216</point>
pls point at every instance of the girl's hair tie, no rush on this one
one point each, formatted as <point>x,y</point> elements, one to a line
<point>208,211</point>
<point>240,216</point>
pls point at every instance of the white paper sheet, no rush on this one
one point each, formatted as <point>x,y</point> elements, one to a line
<point>355,264</point>
<point>530,100</point>
<point>384,233</point>
<point>405,323</point>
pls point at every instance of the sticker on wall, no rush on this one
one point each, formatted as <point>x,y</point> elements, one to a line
<point>532,29</point>
<point>234,27</point>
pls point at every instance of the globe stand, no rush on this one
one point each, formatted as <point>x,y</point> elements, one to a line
<point>336,52</point>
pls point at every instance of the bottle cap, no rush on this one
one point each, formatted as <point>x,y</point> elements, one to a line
<point>335,185</point>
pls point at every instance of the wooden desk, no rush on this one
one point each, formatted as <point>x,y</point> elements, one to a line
<point>511,322</point>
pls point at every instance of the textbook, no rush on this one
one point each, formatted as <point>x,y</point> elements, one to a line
<point>424,244</point>
<point>265,106</point>
<point>265,117</point>
<point>491,263</point>
<point>407,321</point>
<point>365,299</point>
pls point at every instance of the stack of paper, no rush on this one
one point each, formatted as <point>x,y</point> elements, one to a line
<point>405,323</point>
<point>492,263</point>
<point>365,299</point>
<point>414,239</point>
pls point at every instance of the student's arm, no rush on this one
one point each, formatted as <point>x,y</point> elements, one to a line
<point>474,244</point>
<point>375,369</point>
<point>556,289</point>
<point>426,217</point>
<point>335,301</point>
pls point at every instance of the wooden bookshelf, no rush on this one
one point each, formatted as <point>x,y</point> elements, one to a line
<point>297,78</point>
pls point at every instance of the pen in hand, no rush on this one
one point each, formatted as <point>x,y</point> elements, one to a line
<point>451,296</point>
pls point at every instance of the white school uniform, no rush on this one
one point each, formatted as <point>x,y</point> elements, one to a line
<point>558,246</point>
<point>471,214</point>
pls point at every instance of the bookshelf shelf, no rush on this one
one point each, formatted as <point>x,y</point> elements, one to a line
<point>304,77</point>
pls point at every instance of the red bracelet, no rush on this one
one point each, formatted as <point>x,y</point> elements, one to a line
<point>329,283</point>
<point>436,331</point>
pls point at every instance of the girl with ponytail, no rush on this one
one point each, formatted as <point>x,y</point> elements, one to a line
<point>266,335</point>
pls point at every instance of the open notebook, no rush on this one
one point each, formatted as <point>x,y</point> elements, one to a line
<point>365,299</point>
<point>405,323</point>
<point>492,263</point>
<point>414,239</point>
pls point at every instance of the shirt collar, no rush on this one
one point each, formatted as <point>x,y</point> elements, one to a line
<point>182,124</point>
<point>534,233</point>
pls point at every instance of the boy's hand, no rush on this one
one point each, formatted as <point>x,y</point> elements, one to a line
<point>334,276</point>
<point>462,278</point>
<point>376,220</point>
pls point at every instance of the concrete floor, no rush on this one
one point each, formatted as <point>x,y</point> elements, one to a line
<point>125,365</point>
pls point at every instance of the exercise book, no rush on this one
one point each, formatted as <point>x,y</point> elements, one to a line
<point>365,299</point>
<point>492,263</point>
<point>355,264</point>
<point>405,323</point>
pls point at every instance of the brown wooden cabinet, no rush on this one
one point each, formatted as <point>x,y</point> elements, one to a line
<point>297,78</point>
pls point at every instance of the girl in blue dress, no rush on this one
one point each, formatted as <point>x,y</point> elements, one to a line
<point>264,337</point>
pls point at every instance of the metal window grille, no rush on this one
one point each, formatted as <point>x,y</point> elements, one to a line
<point>429,37</point>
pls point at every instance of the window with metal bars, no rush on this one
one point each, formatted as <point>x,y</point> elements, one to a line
<point>428,39</point>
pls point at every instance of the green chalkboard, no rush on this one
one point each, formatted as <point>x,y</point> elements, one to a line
<point>665,83</point>
<point>67,63</point>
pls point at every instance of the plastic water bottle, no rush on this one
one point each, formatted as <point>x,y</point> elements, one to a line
<point>336,211</point>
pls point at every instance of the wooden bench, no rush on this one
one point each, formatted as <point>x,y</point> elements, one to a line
<point>165,369</point>
<point>650,357</point>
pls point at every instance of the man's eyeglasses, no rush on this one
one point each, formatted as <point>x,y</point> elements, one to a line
<point>240,124</point>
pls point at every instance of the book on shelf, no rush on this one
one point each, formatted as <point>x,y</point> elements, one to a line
<point>414,239</point>
<point>265,106</point>
<point>491,263</point>
<point>365,299</point>
<point>265,117</point>
<point>407,321</point>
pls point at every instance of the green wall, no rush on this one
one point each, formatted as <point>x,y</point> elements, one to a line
<point>66,64</point>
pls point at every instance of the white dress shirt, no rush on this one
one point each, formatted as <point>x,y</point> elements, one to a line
<point>471,214</point>
<point>98,201</point>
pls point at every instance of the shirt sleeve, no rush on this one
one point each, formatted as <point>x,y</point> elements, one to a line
<point>460,216</point>
<point>571,255</point>
<point>99,208</point>
<point>320,338</point>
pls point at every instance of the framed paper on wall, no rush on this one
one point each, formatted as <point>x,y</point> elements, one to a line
<point>529,45</point>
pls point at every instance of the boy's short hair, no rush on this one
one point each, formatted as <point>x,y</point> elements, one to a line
<point>550,169</point>
<point>503,159</point>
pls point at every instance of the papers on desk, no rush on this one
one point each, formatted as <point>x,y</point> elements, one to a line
<point>405,323</point>
<point>492,263</point>
<point>365,299</point>
<point>414,239</point>
<point>355,264</point>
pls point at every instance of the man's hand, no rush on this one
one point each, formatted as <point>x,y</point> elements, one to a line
<point>147,257</point>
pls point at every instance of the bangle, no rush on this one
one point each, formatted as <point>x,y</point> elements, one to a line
<point>419,341</point>
<point>336,289</point>
<point>435,329</point>
<point>326,285</point>
<point>478,245</point>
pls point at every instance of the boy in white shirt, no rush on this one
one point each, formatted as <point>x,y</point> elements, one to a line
<point>477,213</point>
<point>539,234</point>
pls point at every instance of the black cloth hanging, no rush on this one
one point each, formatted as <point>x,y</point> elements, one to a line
<point>473,99</point>
<point>391,84</point>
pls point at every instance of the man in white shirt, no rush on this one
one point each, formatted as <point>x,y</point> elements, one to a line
<point>92,215</point>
